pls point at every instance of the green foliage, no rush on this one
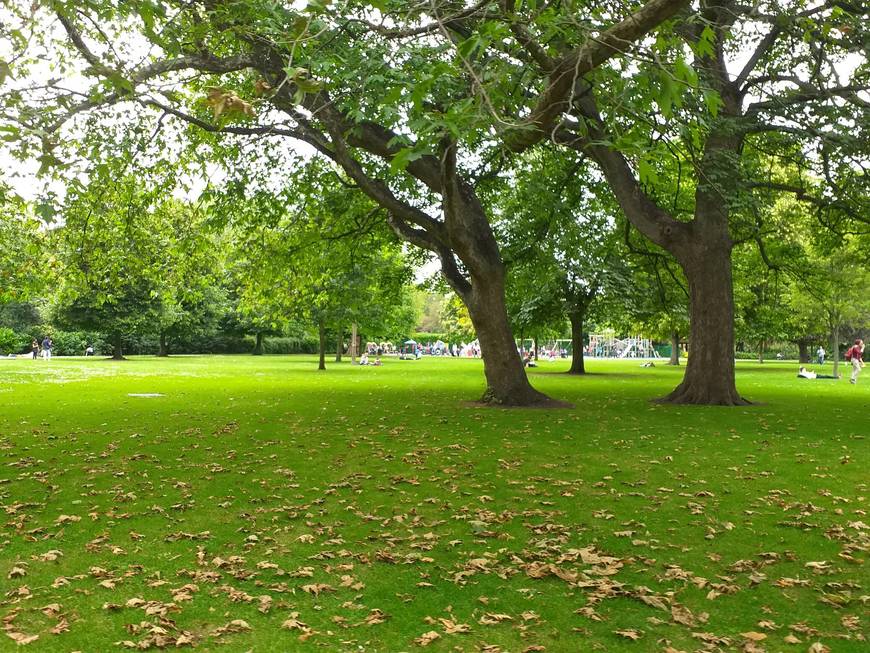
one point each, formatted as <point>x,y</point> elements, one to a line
<point>23,263</point>
<point>74,343</point>
<point>20,316</point>
<point>304,344</point>
<point>319,252</point>
<point>12,342</point>
<point>455,318</point>
<point>560,242</point>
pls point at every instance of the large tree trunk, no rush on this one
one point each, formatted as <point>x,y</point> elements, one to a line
<point>675,349</point>
<point>506,380</point>
<point>339,347</point>
<point>164,350</point>
<point>322,348</point>
<point>577,364</point>
<point>709,377</point>
<point>258,348</point>
<point>465,244</point>
<point>803,351</point>
<point>482,290</point>
<point>117,353</point>
<point>702,246</point>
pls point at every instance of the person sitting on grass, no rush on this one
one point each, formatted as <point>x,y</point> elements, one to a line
<point>804,373</point>
<point>377,362</point>
<point>364,359</point>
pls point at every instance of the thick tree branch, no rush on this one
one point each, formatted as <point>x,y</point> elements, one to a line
<point>804,97</point>
<point>803,195</point>
<point>649,218</point>
<point>428,28</point>
<point>760,51</point>
<point>557,96</point>
<point>525,38</point>
<point>75,36</point>
<point>204,63</point>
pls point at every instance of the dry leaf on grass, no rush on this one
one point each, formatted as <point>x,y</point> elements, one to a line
<point>427,638</point>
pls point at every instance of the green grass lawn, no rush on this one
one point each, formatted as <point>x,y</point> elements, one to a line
<point>260,505</point>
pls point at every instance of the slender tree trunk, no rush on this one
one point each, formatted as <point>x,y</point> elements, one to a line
<point>675,349</point>
<point>577,363</point>
<point>164,350</point>
<point>506,380</point>
<point>117,353</point>
<point>709,377</point>
<point>835,349</point>
<point>339,347</point>
<point>761,351</point>
<point>536,346</point>
<point>353,343</point>
<point>258,348</point>
<point>322,349</point>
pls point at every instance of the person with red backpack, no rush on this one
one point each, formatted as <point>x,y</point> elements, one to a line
<point>855,355</point>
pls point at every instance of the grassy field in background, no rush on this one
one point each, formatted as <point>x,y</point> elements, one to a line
<point>260,505</point>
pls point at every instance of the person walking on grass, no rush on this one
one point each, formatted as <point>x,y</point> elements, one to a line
<point>34,349</point>
<point>855,355</point>
<point>820,354</point>
<point>47,344</point>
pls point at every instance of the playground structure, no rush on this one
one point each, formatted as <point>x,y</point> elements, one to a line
<point>607,345</point>
<point>546,346</point>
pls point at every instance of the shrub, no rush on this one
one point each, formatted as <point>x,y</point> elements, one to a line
<point>286,345</point>
<point>429,336</point>
<point>13,343</point>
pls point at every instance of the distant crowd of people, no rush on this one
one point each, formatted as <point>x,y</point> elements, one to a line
<point>438,348</point>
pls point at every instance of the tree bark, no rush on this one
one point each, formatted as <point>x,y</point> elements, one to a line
<point>675,349</point>
<point>535,345</point>
<point>164,350</point>
<point>339,347</point>
<point>353,343</point>
<point>322,348</point>
<point>702,247</point>
<point>709,377</point>
<point>803,351</point>
<point>482,289</point>
<point>835,349</point>
<point>506,380</point>
<point>577,363</point>
<point>258,348</point>
<point>761,351</point>
<point>117,353</point>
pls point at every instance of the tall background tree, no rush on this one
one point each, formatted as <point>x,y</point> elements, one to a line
<point>319,251</point>
<point>120,256</point>
<point>24,261</point>
<point>560,242</point>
